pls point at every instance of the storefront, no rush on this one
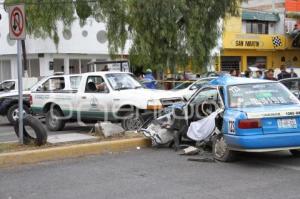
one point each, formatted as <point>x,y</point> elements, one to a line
<point>241,51</point>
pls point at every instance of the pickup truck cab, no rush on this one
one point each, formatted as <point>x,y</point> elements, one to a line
<point>101,96</point>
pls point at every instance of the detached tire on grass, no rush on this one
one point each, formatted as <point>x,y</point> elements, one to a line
<point>33,131</point>
<point>12,113</point>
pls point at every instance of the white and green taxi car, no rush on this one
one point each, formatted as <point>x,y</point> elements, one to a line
<point>100,96</point>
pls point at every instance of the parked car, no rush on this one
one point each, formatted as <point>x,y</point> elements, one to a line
<point>112,96</point>
<point>293,84</point>
<point>9,97</point>
<point>258,116</point>
<point>186,90</point>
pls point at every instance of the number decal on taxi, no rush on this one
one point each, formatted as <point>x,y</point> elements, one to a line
<point>231,127</point>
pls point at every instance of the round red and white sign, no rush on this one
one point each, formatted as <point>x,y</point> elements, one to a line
<point>17,22</point>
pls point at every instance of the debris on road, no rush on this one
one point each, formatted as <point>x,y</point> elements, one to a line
<point>191,150</point>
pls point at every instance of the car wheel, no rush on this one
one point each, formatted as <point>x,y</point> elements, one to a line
<point>221,151</point>
<point>132,121</point>
<point>33,131</point>
<point>295,153</point>
<point>13,113</point>
<point>54,121</point>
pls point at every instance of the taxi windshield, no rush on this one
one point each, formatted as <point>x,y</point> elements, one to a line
<point>256,95</point>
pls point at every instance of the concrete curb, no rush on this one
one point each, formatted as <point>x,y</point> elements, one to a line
<point>71,151</point>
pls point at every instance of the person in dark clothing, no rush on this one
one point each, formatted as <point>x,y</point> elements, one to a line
<point>293,74</point>
<point>247,73</point>
<point>270,75</point>
<point>283,74</point>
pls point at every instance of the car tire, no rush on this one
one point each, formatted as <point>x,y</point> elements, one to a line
<point>295,153</point>
<point>54,121</point>
<point>40,132</point>
<point>132,121</point>
<point>12,113</point>
<point>221,151</point>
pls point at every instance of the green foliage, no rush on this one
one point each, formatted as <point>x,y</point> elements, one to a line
<point>163,32</point>
<point>83,10</point>
<point>42,17</point>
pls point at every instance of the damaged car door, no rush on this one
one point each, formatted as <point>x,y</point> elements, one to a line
<point>204,102</point>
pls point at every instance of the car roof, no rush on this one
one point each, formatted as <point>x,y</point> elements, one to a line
<point>229,80</point>
<point>105,72</point>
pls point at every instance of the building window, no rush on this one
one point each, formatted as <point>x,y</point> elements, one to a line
<point>230,63</point>
<point>257,27</point>
<point>259,62</point>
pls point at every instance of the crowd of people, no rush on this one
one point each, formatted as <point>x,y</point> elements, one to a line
<point>149,81</point>
<point>268,74</point>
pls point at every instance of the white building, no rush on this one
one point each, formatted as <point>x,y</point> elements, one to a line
<point>75,49</point>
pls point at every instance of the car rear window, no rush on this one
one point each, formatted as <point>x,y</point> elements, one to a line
<point>75,82</point>
<point>263,94</point>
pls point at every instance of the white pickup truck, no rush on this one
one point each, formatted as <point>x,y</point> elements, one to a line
<point>108,96</point>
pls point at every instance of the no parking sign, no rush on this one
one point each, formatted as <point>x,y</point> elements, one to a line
<point>17,26</point>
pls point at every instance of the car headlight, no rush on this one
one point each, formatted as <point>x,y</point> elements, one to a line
<point>154,105</point>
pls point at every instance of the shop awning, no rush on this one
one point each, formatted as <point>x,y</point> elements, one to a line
<point>259,16</point>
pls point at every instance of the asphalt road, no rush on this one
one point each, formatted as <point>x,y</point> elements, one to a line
<point>7,133</point>
<point>154,173</point>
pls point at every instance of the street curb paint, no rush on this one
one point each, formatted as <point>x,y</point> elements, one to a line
<point>71,151</point>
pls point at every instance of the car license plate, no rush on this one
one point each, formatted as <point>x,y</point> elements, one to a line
<point>287,123</point>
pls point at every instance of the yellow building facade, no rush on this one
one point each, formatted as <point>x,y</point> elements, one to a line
<point>243,50</point>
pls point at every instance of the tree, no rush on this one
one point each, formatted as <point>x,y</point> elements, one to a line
<point>163,32</point>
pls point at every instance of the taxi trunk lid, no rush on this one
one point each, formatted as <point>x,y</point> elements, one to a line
<point>277,119</point>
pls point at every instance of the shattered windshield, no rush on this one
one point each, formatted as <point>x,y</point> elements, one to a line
<point>122,81</point>
<point>255,95</point>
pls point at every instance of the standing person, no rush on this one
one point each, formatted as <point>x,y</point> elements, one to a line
<point>270,75</point>
<point>283,74</point>
<point>149,80</point>
<point>259,74</point>
<point>233,73</point>
<point>140,77</point>
<point>293,74</point>
<point>247,73</point>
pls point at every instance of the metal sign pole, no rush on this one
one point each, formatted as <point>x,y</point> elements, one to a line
<point>20,87</point>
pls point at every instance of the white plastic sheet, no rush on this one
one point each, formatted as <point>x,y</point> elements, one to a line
<point>202,129</point>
